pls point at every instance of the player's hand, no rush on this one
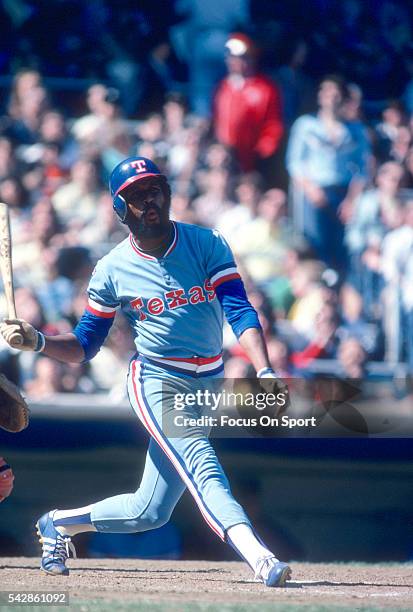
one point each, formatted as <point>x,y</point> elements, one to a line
<point>271,383</point>
<point>19,334</point>
<point>6,479</point>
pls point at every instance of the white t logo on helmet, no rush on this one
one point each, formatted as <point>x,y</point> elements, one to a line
<point>139,165</point>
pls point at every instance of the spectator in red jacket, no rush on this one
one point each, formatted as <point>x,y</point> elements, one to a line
<point>247,107</point>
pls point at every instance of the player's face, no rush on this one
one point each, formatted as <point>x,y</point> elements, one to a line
<point>148,208</point>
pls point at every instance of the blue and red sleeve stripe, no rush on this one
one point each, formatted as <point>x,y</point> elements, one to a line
<point>223,273</point>
<point>99,310</point>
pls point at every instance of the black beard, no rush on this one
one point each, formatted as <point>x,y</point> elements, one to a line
<point>140,229</point>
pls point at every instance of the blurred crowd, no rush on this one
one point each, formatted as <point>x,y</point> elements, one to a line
<point>145,48</point>
<point>312,189</point>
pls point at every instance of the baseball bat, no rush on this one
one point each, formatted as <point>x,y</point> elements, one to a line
<point>7,267</point>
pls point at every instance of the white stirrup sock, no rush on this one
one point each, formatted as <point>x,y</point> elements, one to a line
<point>245,541</point>
<point>71,522</point>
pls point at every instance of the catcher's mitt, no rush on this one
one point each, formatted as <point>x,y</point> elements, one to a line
<point>14,412</point>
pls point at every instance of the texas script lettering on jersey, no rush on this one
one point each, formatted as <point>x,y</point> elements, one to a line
<point>176,298</point>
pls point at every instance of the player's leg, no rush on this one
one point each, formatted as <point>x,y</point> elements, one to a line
<point>196,462</point>
<point>148,508</point>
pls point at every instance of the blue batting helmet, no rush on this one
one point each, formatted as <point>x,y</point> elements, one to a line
<point>124,174</point>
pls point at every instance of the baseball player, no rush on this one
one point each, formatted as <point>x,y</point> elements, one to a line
<point>173,282</point>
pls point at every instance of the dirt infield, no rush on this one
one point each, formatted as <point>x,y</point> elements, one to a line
<point>196,585</point>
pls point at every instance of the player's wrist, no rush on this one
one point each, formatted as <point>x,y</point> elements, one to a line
<point>266,372</point>
<point>40,342</point>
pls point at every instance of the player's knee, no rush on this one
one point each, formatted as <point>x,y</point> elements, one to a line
<point>156,517</point>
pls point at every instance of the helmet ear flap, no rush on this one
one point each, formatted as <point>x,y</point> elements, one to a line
<point>120,208</point>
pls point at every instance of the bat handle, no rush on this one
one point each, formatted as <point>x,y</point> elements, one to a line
<point>12,314</point>
<point>6,261</point>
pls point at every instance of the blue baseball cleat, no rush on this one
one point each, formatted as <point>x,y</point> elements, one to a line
<point>271,572</point>
<point>56,547</point>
